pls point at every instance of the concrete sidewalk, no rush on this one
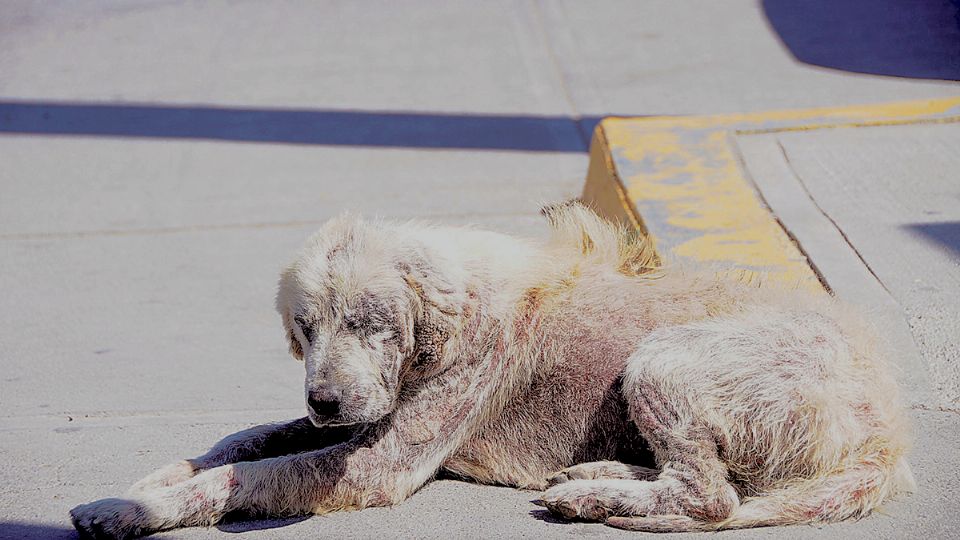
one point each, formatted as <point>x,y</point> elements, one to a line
<point>160,162</point>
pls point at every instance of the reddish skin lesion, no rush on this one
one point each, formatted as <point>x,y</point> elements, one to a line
<point>528,309</point>
<point>199,501</point>
<point>232,483</point>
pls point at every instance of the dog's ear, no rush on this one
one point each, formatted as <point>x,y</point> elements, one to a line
<point>286,292</point>
<point>430,336</point>
<point>437,303</point>
<point>294,344</point>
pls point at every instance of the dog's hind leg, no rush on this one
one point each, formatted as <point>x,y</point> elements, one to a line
<point>693,478</point>
<point>692,482</point>
<point>789,404</point>
<point>259,442</point>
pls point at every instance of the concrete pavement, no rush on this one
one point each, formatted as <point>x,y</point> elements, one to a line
<point>139,248</point>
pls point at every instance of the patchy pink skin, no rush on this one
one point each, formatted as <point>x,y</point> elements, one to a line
<point>232,481</point>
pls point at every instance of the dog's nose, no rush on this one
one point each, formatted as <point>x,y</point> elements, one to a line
<point>324,407</point>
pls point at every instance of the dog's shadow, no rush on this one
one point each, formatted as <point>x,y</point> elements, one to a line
<point>241,523</point>
<point>546,517</point>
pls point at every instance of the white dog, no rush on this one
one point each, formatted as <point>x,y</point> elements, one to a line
<point>508,362</point>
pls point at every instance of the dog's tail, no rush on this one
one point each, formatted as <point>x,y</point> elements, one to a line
<point>575,226</point>
<point>851,490</point>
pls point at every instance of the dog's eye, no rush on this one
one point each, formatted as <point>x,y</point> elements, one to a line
<point>354,323</point>
<point>305,327</point>
<point>365,324</point>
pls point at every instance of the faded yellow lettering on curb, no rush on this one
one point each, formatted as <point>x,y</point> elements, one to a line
<point>687,170</point>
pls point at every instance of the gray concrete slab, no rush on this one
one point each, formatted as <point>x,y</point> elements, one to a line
<point>703,56</point>
<point>451,56</point>
<point>58,185</point>
<point>658,57</point>
<point>893,192</point>
<point>137,261</point>
<point>111,317</point>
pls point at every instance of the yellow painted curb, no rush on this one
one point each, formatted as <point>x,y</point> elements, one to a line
<point>687,172</point>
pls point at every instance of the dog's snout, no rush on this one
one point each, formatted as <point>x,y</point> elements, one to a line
<point>324,407</point>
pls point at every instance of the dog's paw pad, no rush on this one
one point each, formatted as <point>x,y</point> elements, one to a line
<point>576,500</point>
<point>109,518</point>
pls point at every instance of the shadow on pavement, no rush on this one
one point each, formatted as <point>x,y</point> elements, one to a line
<point>291,126</point>
<point>233,524</point>
<point>547,517</point>
<point>945,234</point>
<point>901,38</point>
<point>33,531</point>
<point>241,524</point>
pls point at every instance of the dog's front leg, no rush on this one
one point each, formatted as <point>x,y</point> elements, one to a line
<point>381,465</point>
<point>351,475</point>
<point>259,442</point>
<point>294,484</point>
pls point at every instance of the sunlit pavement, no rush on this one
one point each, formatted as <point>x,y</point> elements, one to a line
<point>160,161</point>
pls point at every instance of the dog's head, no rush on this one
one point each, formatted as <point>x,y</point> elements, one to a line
<point>364,305</point>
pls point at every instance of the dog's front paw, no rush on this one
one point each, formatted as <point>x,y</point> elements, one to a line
<point>166,476</point>
<point>111,518</point>
<point>578,499</point>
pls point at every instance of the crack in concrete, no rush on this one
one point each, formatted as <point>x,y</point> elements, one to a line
<point>836,226</point>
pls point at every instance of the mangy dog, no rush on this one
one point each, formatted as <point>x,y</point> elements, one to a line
<point>508,362</point>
